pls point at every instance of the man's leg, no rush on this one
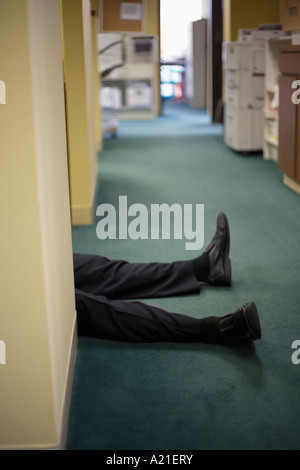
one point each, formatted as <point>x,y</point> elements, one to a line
<point>137,322</point>
<point>119,279</point>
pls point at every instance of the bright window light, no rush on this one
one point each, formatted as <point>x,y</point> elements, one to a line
<point>176,16</point>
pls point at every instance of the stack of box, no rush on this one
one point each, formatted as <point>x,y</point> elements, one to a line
<point>290,15</point>
<point>139,95</point>
<point>110,97</point>
<point>244,71</point>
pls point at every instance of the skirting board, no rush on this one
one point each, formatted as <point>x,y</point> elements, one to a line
<point>292,184</point>
<point>84,215</point>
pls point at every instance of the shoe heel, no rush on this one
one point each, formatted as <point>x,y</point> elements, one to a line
<point>253,320</point>
<point>225,280</point>
<point>227,277</point>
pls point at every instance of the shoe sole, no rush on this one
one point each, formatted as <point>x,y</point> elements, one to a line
<point>225,279</point>
<point>253,321</point>
<point>227,276</point>
<point>227,232</point>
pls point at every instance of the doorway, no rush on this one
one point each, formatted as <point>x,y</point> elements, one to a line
<point>184,61</point>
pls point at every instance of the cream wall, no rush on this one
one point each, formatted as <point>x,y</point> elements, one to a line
<point>79,73</point>
<point>37,308</point>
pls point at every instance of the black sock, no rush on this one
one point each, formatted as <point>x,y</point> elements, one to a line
<point>202,267</point>
<point>209,330</point>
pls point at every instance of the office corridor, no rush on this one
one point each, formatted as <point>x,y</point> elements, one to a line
<point>196,397</point>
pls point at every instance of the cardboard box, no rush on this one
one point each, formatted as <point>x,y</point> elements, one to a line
<point>139,96</point>
<point>290,15</point>
<point>111,97</point>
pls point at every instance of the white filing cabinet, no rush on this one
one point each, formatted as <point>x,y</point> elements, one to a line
<point>244,128</point>
<point>244,86</point>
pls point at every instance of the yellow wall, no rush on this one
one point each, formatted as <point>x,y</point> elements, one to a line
<point>97,81</point>
<point>248,14</point>
<point>79,64</point>
<point>152,16</point>
<point>37,308</point>
<point>153,27</point>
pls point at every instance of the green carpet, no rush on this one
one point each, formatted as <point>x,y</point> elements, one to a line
<point>196,397</point>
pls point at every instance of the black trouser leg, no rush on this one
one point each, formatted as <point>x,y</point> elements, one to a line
<point>100,317</point>
<point>117,279</point>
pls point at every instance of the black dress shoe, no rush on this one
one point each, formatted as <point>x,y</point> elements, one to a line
<point>218,252</point>
<point>242,326</point>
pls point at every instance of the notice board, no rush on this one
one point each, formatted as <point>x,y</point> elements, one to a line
<point>124,16</point>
